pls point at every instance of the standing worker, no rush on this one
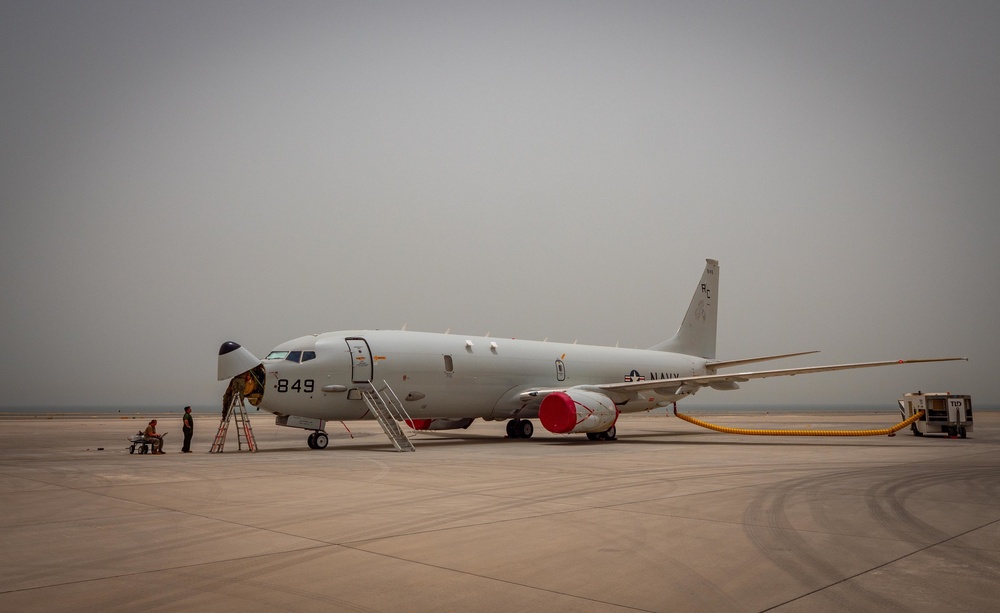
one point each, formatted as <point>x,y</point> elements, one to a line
<point>188,427</point>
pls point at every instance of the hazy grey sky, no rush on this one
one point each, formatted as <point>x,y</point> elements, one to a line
<point>179,174</point>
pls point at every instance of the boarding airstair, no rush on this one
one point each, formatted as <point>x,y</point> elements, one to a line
<point>236,411</point>
<point>389,412</point>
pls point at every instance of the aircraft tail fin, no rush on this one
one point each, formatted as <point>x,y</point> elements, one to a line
<point>696,336</point>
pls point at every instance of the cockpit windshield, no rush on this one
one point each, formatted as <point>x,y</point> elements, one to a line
<point>292,356</point>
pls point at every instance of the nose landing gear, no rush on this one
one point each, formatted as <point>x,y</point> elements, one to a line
<point>318,440</point>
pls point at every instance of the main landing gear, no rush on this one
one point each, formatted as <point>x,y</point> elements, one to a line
<point>520,428</point>
<point>608,435</point>
<point>318,440</point>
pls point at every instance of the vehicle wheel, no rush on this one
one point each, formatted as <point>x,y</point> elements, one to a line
<point>131,449</point>
<point>961,432</point>
<point>916,432</point>
<point>321,440</point>
<point>594,436</point>
<point>525,428</point>
<point>610,434</point>
<point>512,428</point>
<point>143,449</point>
<point>311,441</point>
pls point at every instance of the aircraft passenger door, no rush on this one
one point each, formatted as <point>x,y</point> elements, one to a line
<point>361,360</point>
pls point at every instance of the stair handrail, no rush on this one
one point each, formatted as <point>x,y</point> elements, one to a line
<point>377,403</point>
<point>396,408</point>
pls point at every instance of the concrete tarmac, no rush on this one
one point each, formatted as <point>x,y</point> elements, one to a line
<point>668,518</point>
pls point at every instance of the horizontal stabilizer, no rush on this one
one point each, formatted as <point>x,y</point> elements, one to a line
<point>766,358</point>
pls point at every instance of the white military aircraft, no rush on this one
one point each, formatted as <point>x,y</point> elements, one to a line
<point>446,381</point>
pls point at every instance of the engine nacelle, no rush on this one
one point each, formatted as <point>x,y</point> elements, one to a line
<point>577,411</point>
<point>440,424</point>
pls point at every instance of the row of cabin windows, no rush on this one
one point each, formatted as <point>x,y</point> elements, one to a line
<point>449,362</point>
<point>449,367</point>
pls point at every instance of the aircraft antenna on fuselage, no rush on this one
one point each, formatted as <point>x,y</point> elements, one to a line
<point>696,335</point>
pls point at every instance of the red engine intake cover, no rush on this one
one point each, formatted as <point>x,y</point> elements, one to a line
<point>419,424</point>
<point>557,413</point>
<point>577,410</point>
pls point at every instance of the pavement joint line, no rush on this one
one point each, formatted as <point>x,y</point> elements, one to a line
<point>164,569</point>
<point>324,545</point>
<point>499,580</point>
<point>882,565</point>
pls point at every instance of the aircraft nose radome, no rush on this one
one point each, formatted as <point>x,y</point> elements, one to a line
<point>557,413</point>
<point>228,347</point>
<point>235,360</point>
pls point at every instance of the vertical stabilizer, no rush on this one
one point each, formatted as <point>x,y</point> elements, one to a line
<point>696,336</point>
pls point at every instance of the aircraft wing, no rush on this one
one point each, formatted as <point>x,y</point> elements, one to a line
<point>727,381</point>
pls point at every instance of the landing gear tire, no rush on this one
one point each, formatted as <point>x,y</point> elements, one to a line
<point>525,429</point>
<point>607,435</point>
<point>520,428</point>
<point>311,441</point>
<point>320,440</point>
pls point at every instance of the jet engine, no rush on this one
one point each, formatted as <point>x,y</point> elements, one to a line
<point>577,411</point>
<point>440,424</point>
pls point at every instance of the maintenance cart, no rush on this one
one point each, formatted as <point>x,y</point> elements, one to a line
<point>944,413</point>
<point>139,442</point>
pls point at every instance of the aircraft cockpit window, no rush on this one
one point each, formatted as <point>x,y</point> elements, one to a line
<point>277,355</point>
<point>294,356</point>
<point>308,355</point>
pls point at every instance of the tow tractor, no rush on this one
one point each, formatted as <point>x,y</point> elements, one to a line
<point>944,413</point>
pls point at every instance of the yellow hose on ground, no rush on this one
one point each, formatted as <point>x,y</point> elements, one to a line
<point>880,432</point>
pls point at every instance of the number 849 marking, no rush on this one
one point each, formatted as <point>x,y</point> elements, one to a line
<point>300,385</point>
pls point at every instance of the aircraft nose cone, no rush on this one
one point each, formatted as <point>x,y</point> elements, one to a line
<point>228,347</point>
<point>234,360</point>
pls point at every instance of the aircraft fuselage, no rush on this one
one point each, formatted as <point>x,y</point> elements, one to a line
<point>452,376</point>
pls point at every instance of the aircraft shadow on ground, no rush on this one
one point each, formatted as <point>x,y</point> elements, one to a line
<point>433,440</point>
